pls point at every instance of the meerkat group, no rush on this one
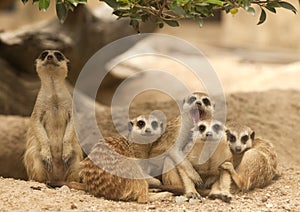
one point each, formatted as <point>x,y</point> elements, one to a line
<point>196,152</point>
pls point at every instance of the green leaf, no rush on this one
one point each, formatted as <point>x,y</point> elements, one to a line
<point>288,6</point>
<point>272,9</point>
<point>111,3</point>
<point>251,10</point>
<point>246,4</point>
<point>44,4</point>
<point>136,25</point>
<point>273,4</point>
<point>216,2</point>
<point>24,1</point>
<point>262,17</point>
<point>61,11</point>
<point>179,11</point>
<point>172,23</point>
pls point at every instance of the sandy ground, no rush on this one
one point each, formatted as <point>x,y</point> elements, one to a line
<point>273,115</point>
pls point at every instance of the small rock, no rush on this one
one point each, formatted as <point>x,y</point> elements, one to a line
<point>73,206</point>
<point>269,205</point>
<point>264,199</point>
<point>151,207</point>
<point>193,200</point>
<point>64,189</point>
<point>268,195</point>
<point>181,199</point>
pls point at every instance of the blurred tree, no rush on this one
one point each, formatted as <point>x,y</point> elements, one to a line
<point>171,11</point>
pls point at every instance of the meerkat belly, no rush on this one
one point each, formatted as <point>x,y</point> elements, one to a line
<point>206,158</point>
<point>55,122</point>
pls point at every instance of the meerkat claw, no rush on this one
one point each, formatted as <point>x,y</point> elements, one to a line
<point>48,163</point>
<point>193,195</point>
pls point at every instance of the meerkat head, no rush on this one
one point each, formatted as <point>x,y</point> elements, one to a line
<point>199,106</point>
<point>208,130</point>
<point>52,63</point>
<point>144,129</point>
<point>239,137</point>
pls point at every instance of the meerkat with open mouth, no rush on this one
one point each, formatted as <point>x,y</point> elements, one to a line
<point>254,159</point>
<point>177,135</point>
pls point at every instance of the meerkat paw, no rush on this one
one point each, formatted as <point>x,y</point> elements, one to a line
<point>193,195</point>
<point>66,155</point>
<point>227,166</point>
<point>47,159</point>
<point>226,197</point>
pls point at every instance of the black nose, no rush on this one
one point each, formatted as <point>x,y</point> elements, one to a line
<point>209,134</point>
<point>199,103</point>
<point>238,149</point>
<point>49,57</point>
<point>148,130</point>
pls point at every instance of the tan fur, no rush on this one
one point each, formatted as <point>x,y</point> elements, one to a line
<point>256,166</point>
<point>102,173</point>
<point>52,149</point>
<point>177,135</point>
<point>209,171</point>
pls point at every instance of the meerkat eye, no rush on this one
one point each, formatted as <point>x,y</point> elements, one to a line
<point>154,124</point>
<point>244,139</point>
<point>43,55</point>
<point>206,102</point>
<point>192,99</point>
<point>232,138</point>
<point>141,124</point>
<point>217,127</point>
<point>59,56</point>
<point>202,128</point>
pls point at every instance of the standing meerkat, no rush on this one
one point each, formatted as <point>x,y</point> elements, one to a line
<point>52,149</point>
<point>207,152</point>
<point>177,135</point>
<point>254,159</point>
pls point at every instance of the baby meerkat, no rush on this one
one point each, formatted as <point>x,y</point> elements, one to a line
<point>52,149</point>
<point>209,151</point>
<point>177,135</point>
<point>254,159</point>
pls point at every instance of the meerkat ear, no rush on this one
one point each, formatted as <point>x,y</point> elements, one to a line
<point>130,125</point>
<point>252,135</point>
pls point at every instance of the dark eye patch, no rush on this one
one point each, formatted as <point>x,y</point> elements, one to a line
<point>244,139</point>
<point>231,138</point>
<point>59,56</point>
<point>217,127</point>
<point>154,124</point>
<point>206,102</point>
<point>140,124</point>
<point>202,128</point>
<point>192,99</point>
<point>43,55</point>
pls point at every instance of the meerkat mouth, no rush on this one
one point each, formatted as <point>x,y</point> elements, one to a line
<point>50,62</point>
<point>197,114</point>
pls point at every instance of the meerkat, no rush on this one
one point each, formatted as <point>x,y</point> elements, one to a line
<point>209,150</point>
<point>52,149</point>
<point>143,131</point>
<point>255,160</point>
<point>111,172</point>
<point>177,135</point>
